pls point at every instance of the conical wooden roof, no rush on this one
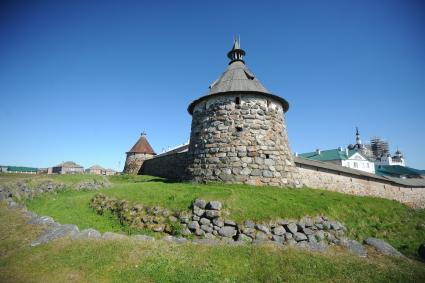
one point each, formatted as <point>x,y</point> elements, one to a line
<point>237,78</point>
<point>142,146</point>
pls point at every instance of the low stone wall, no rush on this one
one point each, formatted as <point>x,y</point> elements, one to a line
<point>171,166</point>
<point>341,180</point>
<point>206,221</point>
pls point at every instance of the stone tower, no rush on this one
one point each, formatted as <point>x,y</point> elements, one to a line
<point>238,132</point>
<point>140,152</point>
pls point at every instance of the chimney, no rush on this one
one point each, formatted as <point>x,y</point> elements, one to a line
<point>346,151</point>
<point>296,153</point>
<point>340,148</point>
<point>318,151</point>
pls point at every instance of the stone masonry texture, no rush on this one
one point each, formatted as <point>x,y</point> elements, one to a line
<point>134,162</point>
<point>240,138</point>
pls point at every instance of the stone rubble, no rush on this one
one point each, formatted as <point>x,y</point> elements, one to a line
<point>382,247</point>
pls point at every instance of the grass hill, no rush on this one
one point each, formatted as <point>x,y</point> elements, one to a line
<point>401,226</point>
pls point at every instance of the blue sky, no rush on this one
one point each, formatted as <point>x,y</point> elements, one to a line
<point>79,80</point>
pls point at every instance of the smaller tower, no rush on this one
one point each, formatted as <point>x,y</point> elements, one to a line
<point>140,152</point>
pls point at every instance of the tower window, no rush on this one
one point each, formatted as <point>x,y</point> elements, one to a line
<point>238,100</point>
<point>239,128</point>
<point>267,156</point>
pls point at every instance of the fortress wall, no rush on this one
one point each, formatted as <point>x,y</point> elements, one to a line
<point>313,175</point>
<point>356,184</point>
<point>170,166</point>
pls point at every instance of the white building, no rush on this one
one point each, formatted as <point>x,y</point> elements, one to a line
<point>350,158</point>
<point>396,159</point>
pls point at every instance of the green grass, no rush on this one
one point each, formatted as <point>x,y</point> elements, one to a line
<point>364,216</point>
<point>131,261</point>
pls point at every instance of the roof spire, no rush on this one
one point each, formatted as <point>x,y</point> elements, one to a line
<point>236,54</point>
<point>358,140</point>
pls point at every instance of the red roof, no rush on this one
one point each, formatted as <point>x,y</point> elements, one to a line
<point>142,146</point>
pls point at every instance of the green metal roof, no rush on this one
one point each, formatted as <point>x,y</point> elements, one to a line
<point>328,155</point>
<point>397,170</point>
<point>21,169</point>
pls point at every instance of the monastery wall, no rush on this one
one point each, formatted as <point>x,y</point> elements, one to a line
<point>172,166</point>
<point>312,174</point>
<point>323,176</point>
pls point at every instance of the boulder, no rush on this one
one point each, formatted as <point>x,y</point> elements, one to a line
<point>207,228</point>
<point>198,211</point>
<point>383,247</point>
<point>279,230</point>
<point>209,236</point>
<point>204,221</point>
<point>249,224</point>
<point>41,220</point>
<point>228,222</point>
<point>211,214</point>
<point>354,247</point>
<point>87,234</point>
<point>244,238</point>
<point>308,231</point>
<point>300,237</point>
<point>199,232</point>
<point>335,225</point>
<point>214,205</point>
<point>278,239</point>
<point>292,227</point>
<point>200,203</point>
<point>193,225</point>
<point>311,246</point>
<point>158,228</point>
<point>218,222</point>
<point>56,233</point>
<point>186,232</point>
<point>184,218</point>
<point>318,220</point>
<point>227,231</point>
<point>263,228</point>
<point>308,222</point>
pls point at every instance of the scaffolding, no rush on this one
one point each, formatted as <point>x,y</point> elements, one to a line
<point>379,147</point>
